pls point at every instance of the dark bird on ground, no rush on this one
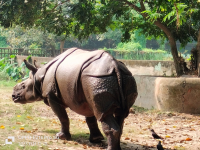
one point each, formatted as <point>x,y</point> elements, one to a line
<point>155,136</point>
<point>159,146</point>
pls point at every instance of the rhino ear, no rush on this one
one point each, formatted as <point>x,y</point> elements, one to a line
<point>30,66</point>
<point>36,64</point>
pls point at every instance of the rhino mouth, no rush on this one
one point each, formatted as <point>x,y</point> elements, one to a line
<point>16,98</point>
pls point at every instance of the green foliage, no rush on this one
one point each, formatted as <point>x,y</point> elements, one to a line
<point>10,70</point>
<point>3,42</point>
<point>145,54</point>
<point>148,50</point>
<point>29,38</point>
<point>6,82</point>
<point>82,18</point>
<point>139,38</point>
<point>130,46</point>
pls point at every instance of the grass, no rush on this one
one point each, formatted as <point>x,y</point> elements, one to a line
<point>7,83</point>
<point>16,146</point>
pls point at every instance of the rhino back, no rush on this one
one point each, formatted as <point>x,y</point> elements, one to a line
<point>68,79</point>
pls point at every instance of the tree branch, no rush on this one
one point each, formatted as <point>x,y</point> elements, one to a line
<point>135,8</point>
<point>57,6</point>
<point>142,5</point>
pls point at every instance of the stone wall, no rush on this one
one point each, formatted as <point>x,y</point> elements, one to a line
<point>150,67</point>
<point>169,93</point>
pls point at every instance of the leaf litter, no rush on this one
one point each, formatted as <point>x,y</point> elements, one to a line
<point>179,130</point>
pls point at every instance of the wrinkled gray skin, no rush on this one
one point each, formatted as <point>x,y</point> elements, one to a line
<point>106,89</point>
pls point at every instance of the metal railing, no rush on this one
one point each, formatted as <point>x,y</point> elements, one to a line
<point>6,52</point>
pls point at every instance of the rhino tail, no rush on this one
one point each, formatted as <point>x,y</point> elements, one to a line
<point>119,78</point>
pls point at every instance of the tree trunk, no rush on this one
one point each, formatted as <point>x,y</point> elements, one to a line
<point>174,52</point>
<point>173,46</point>
<point>62,43</point>
<point>198,52</point>
<point>159,24</point>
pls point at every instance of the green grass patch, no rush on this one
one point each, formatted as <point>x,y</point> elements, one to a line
<point>140,109</point>
<point>26,146</point>
<point>7,83</point>
<point>51,131</point>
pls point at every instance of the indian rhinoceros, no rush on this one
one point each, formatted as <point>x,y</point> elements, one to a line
<point>91,83</point>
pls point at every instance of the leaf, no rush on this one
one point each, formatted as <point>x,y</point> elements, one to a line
<point>181,141</point>
<point>167,136</point>
<point>22,128</point>
<point>127,138</point>
<point>29,117</point>
<point>18,116</point>
<point>18,123</point>
<point>84,146</point>
<point>188,139</point>
<point>2,127</point>
<point>192,129</point>
<point>12,56</point>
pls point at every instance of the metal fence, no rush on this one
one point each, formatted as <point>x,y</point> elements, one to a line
<point>139,55</point>
<point>118,54</point>
<point>6,52</point>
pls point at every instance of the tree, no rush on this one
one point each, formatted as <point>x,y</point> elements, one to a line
<point>18,37</point>
<point>170,19</point>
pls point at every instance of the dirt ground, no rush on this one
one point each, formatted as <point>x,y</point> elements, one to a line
<point>180,131</point>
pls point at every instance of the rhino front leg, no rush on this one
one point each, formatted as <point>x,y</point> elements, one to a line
<point>62,116</point>
<point>95,134</point>
<point>113,132</point>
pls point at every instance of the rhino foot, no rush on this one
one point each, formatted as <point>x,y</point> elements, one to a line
<point>63,136</point>
<point>110,148</point>
<point>96,139</point>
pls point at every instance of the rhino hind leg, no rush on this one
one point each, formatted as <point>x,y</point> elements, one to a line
<point>95,134</point>
<point>112,131</point>
<point>62,116</point>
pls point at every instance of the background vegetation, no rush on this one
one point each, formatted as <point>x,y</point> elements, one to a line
<point>104,23</point>
<point>11,71</point>
<point>139,47</point>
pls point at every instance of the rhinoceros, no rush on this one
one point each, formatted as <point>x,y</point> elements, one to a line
<point>91,83</point>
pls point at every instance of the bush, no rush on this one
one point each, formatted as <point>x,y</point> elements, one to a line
<point>130,46</point>
<point>145,54</point>
<point>10,70</point>
<point>4,76</point>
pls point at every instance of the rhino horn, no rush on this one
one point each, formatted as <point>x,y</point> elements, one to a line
<point>30,66</point>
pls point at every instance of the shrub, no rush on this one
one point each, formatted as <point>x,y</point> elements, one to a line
<point>130,46</point>
<point>11,70</point>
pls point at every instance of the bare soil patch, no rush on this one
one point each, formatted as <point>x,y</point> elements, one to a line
<point>180,131</point>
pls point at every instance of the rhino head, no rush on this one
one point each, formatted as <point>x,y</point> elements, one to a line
<point>24,92</point>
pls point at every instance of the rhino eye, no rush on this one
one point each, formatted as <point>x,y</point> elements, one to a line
<point>23,86</point>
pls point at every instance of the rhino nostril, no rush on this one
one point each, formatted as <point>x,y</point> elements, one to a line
<point>13,96</point>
